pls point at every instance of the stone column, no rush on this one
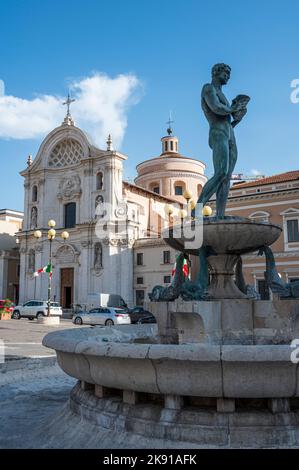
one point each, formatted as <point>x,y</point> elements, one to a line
<point>23,286</point>
<point>3,274</point>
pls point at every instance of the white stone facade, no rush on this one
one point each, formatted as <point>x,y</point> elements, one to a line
<point>69,169</point>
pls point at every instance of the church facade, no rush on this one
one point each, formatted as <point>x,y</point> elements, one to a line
<point>76,184</point>
<point>81,188</point>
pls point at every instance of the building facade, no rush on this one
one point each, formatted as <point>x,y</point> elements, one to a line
<point>273,199</point>
<point>79,186</point>
<point>10,224</point>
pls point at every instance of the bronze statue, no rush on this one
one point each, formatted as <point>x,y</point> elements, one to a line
<point>222,118</point>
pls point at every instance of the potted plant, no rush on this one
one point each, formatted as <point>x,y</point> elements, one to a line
<point>5,310</point>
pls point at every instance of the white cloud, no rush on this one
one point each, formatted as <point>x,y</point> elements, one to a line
<point>255,172</point>
<point>101,107</point>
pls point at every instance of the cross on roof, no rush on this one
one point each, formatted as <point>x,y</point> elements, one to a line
<point>68,102</point>
<point>169,122</point>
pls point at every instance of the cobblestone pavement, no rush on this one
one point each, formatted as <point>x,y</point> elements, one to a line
<point>23,338</point>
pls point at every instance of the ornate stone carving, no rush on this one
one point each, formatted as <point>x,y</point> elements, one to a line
<point>111,241</point>
<point>69,187</point>
<point>98,203</point>
<point>129,242</point>
<point>33,218</point>
<point>85,243</point>
<point>65,153</point>
<point>98,256</point>
<point>66,255</point>
<point>31,261</point>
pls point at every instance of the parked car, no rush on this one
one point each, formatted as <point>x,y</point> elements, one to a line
<point>137,313</point>
<point>36,309</point>
<point>108,316</point>
<point>149,319</point>
<point>2,305</point>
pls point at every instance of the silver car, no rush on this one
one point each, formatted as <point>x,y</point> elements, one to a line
<point>36,309</point>
<point>108,316</point>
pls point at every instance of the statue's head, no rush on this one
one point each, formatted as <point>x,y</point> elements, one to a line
<point>222,72</point>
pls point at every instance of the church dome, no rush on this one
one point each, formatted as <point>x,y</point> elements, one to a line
<point>171,173</point>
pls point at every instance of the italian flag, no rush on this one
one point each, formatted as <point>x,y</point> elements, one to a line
<point>185,268</point>
<point>45,269</point>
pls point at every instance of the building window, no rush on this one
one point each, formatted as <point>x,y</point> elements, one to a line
<point>176,146</point>
<point>139,280</point>
<point>166,257</point>
<point>165,146</point>
<point>156,189</point>
<point>178,190</point>
<point>171,145</point>
<point>139,259</point>
<point>139,297</point>
<point>293,232</point>
<point>167,279</point>
<point>34,194</point>
<point>260,216</point>
<point>70,215</point>
<point>100,180</point>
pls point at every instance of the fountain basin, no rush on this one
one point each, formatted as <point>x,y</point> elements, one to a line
<point>227,239</point>
<point>235,235</point>
<point>194,370</point>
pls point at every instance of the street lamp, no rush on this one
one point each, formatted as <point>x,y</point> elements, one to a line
<point>51,235</point>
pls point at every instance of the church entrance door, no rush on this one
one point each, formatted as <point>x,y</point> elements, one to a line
<point>67,287</point>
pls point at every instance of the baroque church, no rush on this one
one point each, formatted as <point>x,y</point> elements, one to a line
<point>114,227</point>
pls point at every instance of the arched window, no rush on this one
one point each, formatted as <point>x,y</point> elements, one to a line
<point>179,188</point>
<point>199,189</point>
<point>67,152</point>
<point>70,215</point>
<point>34,193</point>
<point>155,187</point>
<point>33,218</point>
<point>99,180</point>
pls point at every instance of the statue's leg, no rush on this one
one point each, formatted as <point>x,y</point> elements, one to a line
<point>203,275</point>
<point>220,146</point>
<point>223,190</point>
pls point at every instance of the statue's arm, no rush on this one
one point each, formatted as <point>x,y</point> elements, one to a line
<point>210,96</point>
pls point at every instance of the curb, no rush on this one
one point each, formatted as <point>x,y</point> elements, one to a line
<point>29,363</point>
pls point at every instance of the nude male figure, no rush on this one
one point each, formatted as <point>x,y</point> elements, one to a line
<point>218,112</point>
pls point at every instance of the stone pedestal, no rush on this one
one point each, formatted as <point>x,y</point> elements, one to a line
<point>235,321</point>
<point>222,270</point>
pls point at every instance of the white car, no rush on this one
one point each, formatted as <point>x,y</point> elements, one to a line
<point>36,309</point>
<point>108,316</point>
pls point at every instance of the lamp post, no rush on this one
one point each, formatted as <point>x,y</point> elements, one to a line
<point>51,235</point>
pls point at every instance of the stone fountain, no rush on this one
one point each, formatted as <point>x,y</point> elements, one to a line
<point>218,369</point>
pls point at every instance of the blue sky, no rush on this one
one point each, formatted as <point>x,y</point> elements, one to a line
<point>169,47</point>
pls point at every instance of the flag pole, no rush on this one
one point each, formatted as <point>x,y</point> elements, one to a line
<point>50,277</point>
